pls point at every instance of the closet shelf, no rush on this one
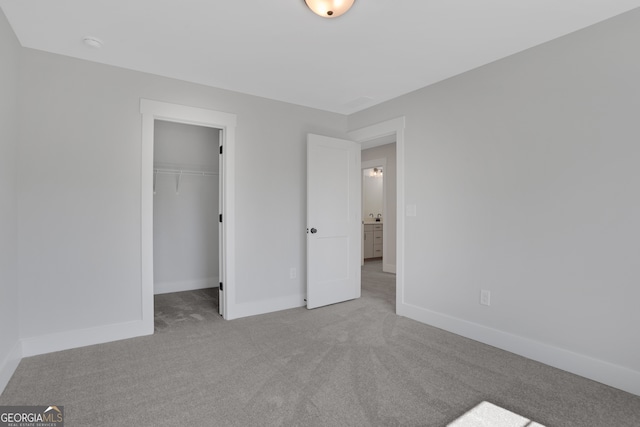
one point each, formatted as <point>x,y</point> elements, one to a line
<point>178,173</point>
<point>183,172</point>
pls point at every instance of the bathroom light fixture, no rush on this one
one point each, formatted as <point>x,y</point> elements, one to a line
<point>376,173</point>
<point>329,8</point>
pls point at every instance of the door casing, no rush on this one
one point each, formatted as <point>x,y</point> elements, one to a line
<point>373,136</point>
<point>155,110</point>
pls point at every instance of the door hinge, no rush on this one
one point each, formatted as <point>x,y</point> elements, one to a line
<point>220,218</point>
<point>221,287</point>
<point>221,149</point>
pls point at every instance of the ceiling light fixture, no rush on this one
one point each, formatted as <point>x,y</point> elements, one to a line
<point>93,42</point>
<point>329,8</point>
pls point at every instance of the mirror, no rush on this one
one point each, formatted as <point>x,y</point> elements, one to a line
<point>372,193</point>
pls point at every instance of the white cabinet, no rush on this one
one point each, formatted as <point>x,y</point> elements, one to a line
<point>372,241</point>
<point>368,244</point>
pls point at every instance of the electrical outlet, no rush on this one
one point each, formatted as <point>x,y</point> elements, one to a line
<point>485,297</point>
<point>293,273</point>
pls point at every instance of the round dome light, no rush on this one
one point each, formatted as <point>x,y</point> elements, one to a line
<point>329,8</point>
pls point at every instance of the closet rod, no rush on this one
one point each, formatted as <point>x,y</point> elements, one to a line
<point>182,172</point>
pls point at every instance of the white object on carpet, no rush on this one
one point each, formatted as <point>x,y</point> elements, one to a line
<point>487,414</point>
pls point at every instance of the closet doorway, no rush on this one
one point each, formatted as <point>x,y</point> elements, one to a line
<point>186,205</point>
<point>153,111</point>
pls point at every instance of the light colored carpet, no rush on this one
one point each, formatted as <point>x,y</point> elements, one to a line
<point>183,308</point>
<point>350,364</point>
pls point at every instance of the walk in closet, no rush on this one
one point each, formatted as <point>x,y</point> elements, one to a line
<point>185,207</point>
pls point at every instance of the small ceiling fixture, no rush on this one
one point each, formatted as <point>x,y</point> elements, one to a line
<point>329,8</point>
<point>93,42</point>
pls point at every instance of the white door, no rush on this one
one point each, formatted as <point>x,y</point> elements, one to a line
<point>333,220</point>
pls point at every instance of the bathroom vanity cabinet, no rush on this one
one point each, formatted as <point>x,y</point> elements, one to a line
<point>372,240</point>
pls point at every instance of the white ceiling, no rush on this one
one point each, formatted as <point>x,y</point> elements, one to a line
<point>279,49</point>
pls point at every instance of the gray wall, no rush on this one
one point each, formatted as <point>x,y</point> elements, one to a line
<point>185,222</point>
<point>9,314</point>
<point>525,177</point>
<point>79,192</point>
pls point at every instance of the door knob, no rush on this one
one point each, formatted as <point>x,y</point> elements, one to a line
<point>314,231</point>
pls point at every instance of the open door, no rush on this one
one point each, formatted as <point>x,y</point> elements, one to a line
<point>333,220</point>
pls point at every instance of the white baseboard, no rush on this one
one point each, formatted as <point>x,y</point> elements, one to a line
<point>9,365</point>
<point>389,268</point>
<point>268,306</point>
<point>84,337</point>
<point>598,370</point>
<point>186,285</point>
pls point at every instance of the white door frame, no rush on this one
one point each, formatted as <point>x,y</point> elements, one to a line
<point>369,137</point>
<point>155,110</point>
